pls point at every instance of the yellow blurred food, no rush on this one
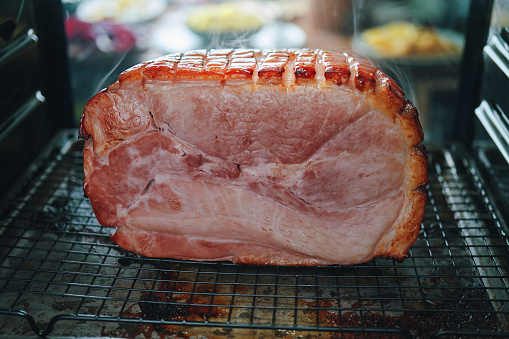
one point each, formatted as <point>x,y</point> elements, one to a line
<point>401,39</point>
<point>223,18</point>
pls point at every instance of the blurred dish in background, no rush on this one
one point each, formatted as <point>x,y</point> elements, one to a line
<point>410,42</point>
<point>110,26</point>
<point>120,11</point>
<point>226,18</point>
<point>173,38</point>
<point>84,38</point>
<point>279,35</point>
<point>197,28</point>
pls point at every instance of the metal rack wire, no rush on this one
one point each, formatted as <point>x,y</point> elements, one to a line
<point>58,268</point>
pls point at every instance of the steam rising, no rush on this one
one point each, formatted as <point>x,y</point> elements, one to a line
<point>361,14</point>
<point>114,70</point>
<point>428,70</point>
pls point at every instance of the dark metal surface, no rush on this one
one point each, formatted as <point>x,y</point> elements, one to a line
<point>496,75</point>
<point>35,101</point>
<point>495,170</point>
<point>494,108</point>
<point>472,69</point>
<point>61,275</point>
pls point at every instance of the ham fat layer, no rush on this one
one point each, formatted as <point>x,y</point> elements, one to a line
<point>291,157</point>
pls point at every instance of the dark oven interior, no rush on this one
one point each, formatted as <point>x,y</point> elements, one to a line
<point>60,275</point>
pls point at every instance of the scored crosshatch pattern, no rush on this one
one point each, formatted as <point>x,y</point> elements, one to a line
<point>57,265</point>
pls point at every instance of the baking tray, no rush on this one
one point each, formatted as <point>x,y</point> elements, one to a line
<point>60,274</point>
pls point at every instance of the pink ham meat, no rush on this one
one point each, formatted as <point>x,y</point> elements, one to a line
<point>291,157</point>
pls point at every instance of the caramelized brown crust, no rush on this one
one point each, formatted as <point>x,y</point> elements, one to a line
<point>289,68</point>
<point>336,68</point>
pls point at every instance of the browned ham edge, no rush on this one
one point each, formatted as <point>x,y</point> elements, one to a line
<point>280,157</point>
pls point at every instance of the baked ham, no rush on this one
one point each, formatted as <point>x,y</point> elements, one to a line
<point>288,157</point>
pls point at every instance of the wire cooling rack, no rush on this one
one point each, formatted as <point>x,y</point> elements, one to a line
<point>61,275</point>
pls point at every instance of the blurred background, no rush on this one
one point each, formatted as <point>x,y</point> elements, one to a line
<point>418,43</point>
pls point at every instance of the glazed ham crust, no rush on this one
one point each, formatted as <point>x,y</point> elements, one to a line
<point>287,157</point>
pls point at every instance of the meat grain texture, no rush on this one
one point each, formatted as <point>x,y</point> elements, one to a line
<point>290,157</point>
